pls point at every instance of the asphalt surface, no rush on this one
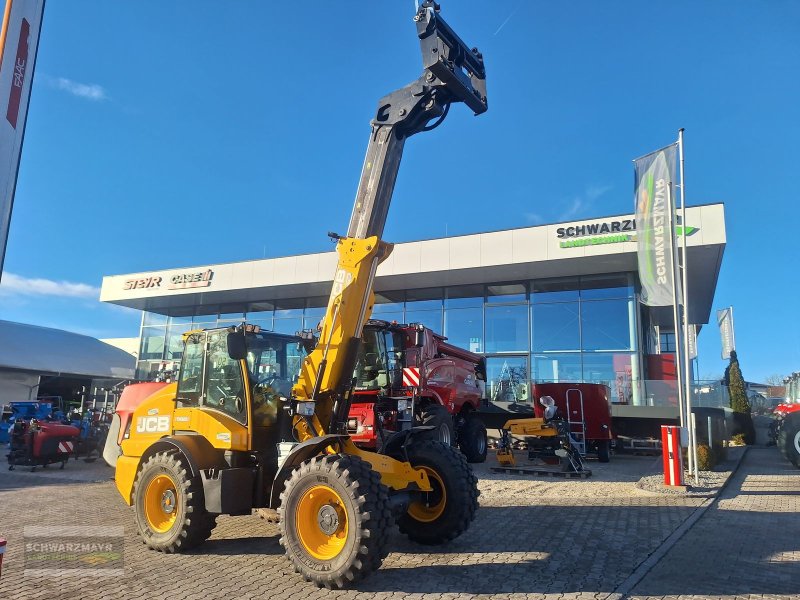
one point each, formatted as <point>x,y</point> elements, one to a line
<point>532,538</point>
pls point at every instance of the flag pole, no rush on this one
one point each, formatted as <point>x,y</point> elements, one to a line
<point>685,286</point>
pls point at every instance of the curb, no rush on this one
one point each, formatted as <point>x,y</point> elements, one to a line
<point>651,561</point>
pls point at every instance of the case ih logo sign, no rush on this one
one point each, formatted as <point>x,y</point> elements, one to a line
<point>178,281</point>
<point>190,280</point>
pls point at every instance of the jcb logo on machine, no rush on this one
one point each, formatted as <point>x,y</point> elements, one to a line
<point>340,281</point>
<point>152,424</point>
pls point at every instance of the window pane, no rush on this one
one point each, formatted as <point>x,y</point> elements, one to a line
<point>175,341</point>
<point>612,369</point>
<point>151,319</point>
<point>388,307</point>
<point>224,384</point>
<point>389,316</point>
<point>180,320</point>
<point>430,318</point>
<point>464,296</point>
<point>147,371</point>
<point>203,321</point>
<point>152,343</point>
<point>511,292</point>
<point>555,290</point>
<point>232,316</point>
<point>262,322</point>
<point>507,328</point>
<point>191,375</point>
<point>606,286</point>
<point>605,325</point>
<point>464,328</point>
<point>556,327</point>
<point>311,322</point>
<point>508,384</point>
<point>557,367</point>
<point>290,326</point>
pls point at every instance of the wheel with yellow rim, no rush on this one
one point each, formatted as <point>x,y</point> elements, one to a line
<point>334,516</point>
<point>446,512</point>
<point>169,504</point>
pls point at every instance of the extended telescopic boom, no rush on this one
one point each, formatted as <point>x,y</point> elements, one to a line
<point>452,73</point>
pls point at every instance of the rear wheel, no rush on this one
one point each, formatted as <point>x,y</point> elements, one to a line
<point>334,520</point>
<point>446,512</point>
<point>472,440</point>
<point>603,451</point>
<point>789,439</point>
<point>169,503</point>
<point>436,415</point>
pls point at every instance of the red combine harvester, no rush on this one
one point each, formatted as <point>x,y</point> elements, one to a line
<point>587,409</point>
<point>37,443</point>
<point>408,375</point>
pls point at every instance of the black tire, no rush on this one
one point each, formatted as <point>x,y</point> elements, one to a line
<point>604,451</point>
<point>789,439</point>
<point>455,487</point>
<point>346,482</point>
<point>472,439</point>
<point>192,525</point>
<point>437,416</point>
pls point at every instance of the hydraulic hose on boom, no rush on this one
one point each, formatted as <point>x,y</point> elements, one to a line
<point>452,73</point>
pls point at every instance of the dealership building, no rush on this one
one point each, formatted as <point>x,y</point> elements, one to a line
<point>556,302</point>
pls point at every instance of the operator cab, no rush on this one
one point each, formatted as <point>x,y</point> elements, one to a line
<point>242,365</point>
<point>380,358</point>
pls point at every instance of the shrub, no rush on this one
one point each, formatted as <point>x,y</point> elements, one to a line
<point>705,458</point>
<point>738,439</point>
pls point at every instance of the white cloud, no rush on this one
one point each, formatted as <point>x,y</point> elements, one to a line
<point>14,285</point>
<point>581,202</point>
<point>89,91</point>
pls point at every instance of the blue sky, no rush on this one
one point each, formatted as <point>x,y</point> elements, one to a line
<point>158,132</point>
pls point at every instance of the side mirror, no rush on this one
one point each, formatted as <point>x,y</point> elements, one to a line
<point>237,349</point>
<point>419,338</point>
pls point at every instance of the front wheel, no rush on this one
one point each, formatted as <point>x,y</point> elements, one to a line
<point>446,512</point>
<point>472,440</point>
<point>169,503</point>
<point>334,520</point>
<point>436,415</point>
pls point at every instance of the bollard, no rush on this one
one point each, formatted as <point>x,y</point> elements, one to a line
<point>2,551</point>
<point>671,451</point>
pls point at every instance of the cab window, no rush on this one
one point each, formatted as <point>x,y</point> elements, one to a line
<point>190,381</point>
<point>224,385</point>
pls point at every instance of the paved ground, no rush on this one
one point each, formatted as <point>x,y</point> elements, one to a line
<point>533,538</point>
<point>746,545</point>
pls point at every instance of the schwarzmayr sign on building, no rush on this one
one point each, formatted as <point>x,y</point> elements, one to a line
<point>603,232</point>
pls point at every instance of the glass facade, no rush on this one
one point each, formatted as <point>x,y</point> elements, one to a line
<point>576,329</point>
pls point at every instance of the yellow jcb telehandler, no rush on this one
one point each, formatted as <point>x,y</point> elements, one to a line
<point>253,421</point>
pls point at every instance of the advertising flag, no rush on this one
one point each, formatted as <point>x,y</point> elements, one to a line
<point>725,322</point>
<point>19,40</point>
<point>654,175</point>
<point>691,342</point>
